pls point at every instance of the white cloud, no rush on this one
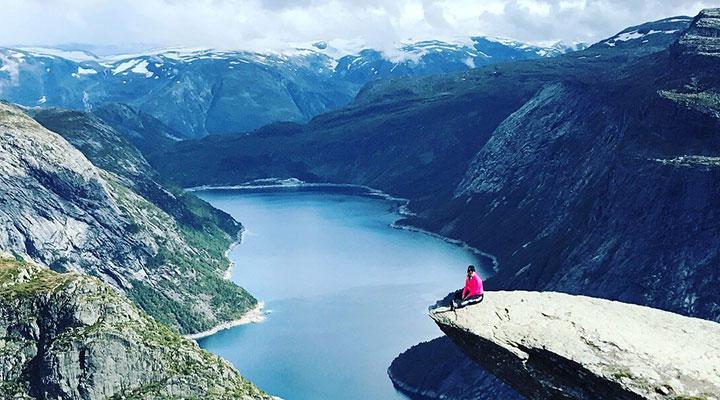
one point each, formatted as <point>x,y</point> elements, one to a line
<point>272,24</point>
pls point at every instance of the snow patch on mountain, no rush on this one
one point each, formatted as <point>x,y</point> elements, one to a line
<point>86,71</point>
<point>124,66</point>
<point>634,35</point>
<point>141,68</point>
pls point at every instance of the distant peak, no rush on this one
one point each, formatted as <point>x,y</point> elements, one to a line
<point>322,45</point>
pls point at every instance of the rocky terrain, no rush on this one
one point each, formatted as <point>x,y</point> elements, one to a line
<point>195,92</point>
<point>70,336</point>
<point>553,345</point>
<point>60,210</point>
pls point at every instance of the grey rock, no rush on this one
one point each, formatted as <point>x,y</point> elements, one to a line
<point>69,336</point>
<point>703,36</point>
<point>554,345</point>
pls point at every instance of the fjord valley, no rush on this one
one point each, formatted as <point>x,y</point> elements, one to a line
<point>581,180</point>
<point>535,162</point>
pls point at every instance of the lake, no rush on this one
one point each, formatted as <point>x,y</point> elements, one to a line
<point>346,292</point>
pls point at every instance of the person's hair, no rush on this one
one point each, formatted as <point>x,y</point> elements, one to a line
<point>471,268</point>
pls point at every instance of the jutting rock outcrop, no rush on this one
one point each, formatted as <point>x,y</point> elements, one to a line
<point>557,346</point>
<point>70,336</point>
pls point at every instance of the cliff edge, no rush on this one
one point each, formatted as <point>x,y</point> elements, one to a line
<point>550,345</point>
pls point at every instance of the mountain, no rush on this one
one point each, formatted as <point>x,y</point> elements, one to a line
<point>100,210</point>
<point>646,38</point>
<point>146,133</point>
<point>584,173</point>
<point>199,91</point>
<point>436,57</point>
<point>69,336</point>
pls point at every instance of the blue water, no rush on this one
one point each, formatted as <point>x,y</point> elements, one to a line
<point>346,292</point>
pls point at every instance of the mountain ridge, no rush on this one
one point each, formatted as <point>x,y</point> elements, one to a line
<point>199,91</point>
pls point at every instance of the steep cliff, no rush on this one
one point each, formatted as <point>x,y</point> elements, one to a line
<point>558,346</point>
<point>69,336</point>
<point>61,211</point>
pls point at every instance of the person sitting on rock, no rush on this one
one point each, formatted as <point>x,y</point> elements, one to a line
<point>472,293</point>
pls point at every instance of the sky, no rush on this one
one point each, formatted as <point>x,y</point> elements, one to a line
<point>121,25</point>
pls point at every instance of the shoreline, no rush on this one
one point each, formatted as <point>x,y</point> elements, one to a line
<point>252,316</point>
<point>274,183</point>
<point>456,242</point>
<point>403,209</point>
<point>227,275</point>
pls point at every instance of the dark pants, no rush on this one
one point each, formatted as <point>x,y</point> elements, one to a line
<point>458,301</point>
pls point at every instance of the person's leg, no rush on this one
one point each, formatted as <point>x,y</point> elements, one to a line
<point>457,299</point>
<point>471,300</point>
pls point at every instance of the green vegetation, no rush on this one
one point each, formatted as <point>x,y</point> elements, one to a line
<point>16,281</point>
<point>623,374</point>
<point>708,100</point>
<point>194,296</point>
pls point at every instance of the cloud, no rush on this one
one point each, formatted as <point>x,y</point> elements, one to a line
<point>273,24</point>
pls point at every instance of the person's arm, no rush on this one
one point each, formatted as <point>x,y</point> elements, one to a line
<point>466,289</point>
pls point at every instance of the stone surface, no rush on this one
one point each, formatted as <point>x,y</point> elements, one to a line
<point>553,345</point>
<point>69,336</point>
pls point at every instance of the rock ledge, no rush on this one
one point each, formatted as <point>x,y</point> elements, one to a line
<point>553,345</point>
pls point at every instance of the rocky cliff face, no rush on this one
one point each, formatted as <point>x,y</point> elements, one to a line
<point>603,189</point>
<point>61,211</point>
<point>69,336</point>
<point>559,346</point>
<point>703,36</point>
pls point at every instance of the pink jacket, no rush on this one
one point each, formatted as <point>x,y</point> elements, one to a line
<point>473,286</point>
